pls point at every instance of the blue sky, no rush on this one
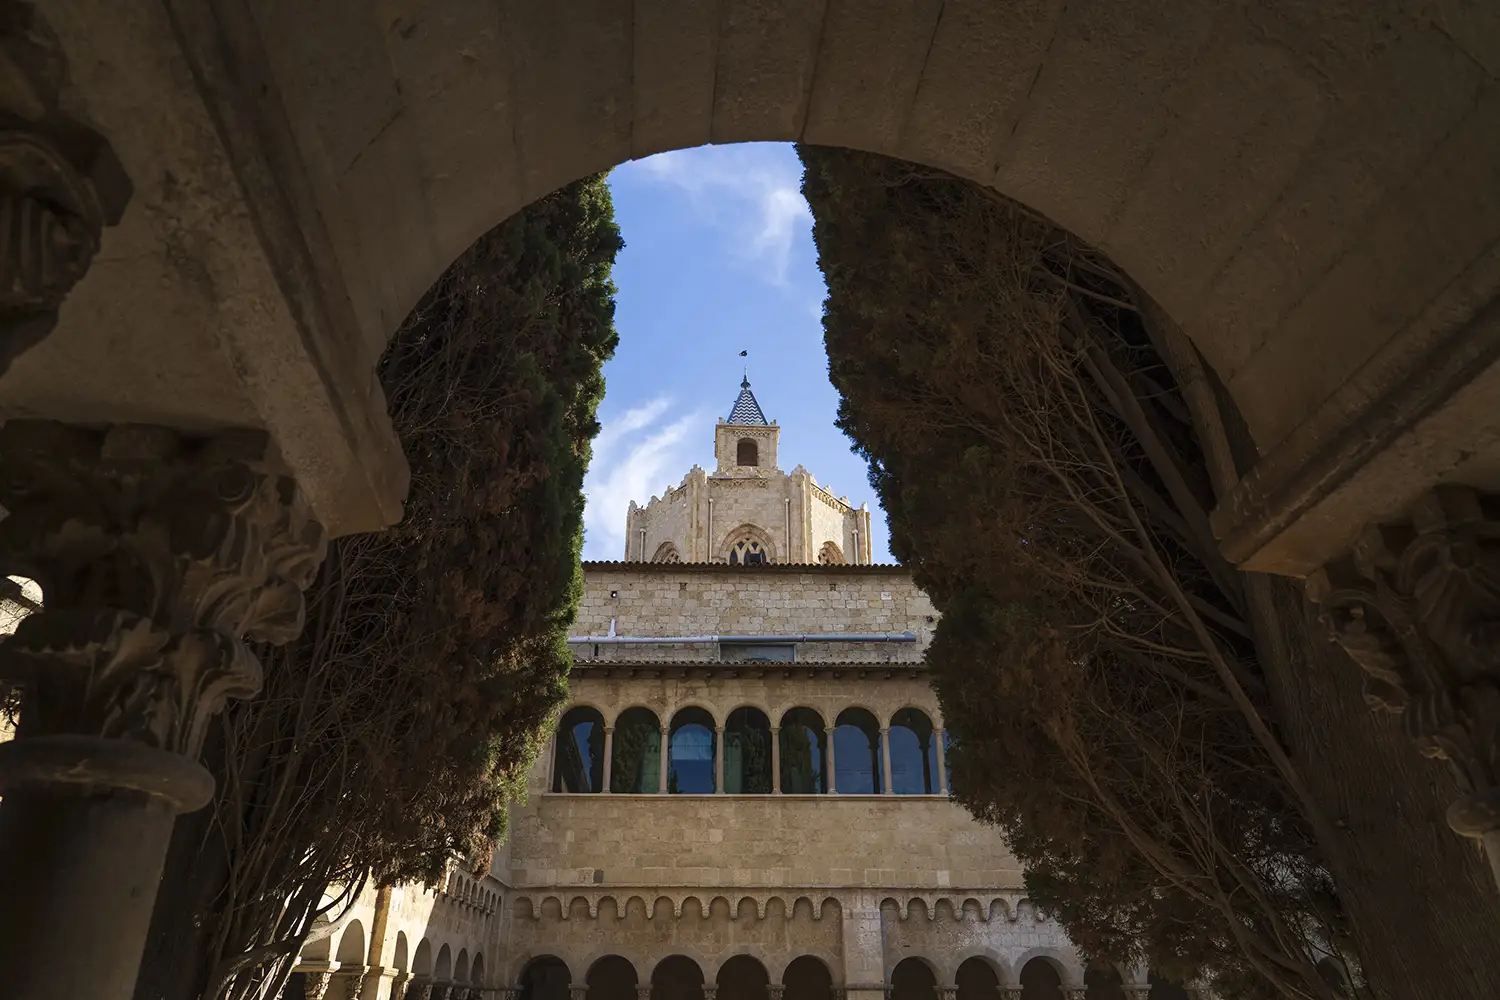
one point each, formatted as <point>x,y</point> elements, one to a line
<point>718,259</point>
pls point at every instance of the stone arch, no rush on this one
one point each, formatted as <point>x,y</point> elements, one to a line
<point>988,956</point>
<point>476,971</point>
<point>978,977</point>
<point>401,957</point>
<point>611,977</point>
<point>804,751</point>
<point>677,977</point>
<point>807,977</point>
<point>914,754</point>
<point>666,552</point>
<point>858,765</point>
<point>830,554</point>
<point>1103,982</point>
<point>421,963</point>
<point>351,949</point>
<point>742,977</point>
<point>746,453</point>
<point>544,977</point>
<point>578,751</point>
<point>635,767</point>
<point>461,966</point>
<point>1042,975</point>
<point>747,545</point>
<point>915,977</point>
<point>692,751</point>
<point>747,751</point>
<point>442,969</point>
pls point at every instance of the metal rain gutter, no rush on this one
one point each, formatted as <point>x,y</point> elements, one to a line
<point>663,640</point>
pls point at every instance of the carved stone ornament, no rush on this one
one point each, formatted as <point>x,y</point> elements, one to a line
<point>314,985</point>
<point>157,555</point>
<point>418,989</point>
<point>355,984</point>
<point>775,991</point>
<point>60,183</point>
<point>1417,606</point>
<point>643,991</point>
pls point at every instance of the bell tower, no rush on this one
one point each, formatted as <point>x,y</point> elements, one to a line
<point>746,443</point>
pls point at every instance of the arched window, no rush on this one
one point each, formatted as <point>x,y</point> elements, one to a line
<point>746,453</point>
<point>578,762</point>
<point>612,978</point>
<point>856,753</point>
<point>747,753</point>
<point>803,755</point>
<point>636,767</point>
<point>748,545</point>
<point>1040,980</point>
<point>747,552</point>
<point>666,552</point>
<point>831,555</point>
<point>914,765</point>
<point>1102,984</point>
<point>976,980</point>
<point>912,978</point>
<point>690,755</point>
<point>742,977</point>
<point>807,978</point>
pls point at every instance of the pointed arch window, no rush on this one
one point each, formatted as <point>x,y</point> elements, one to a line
<point>747,552</point>
<point>666,552</point>
<point>831,555</point>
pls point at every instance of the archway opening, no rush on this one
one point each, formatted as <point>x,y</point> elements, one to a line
<point>578,761</point>
<point>914,765</point>
<point>476,974</point>
<point>746,454</point>
<point>421,963</point>
<point>912,979</point>
<point>807,978</point>
<point>677,977</point>
<point>803,754</point>
<point>1163,988</point>
<point>461,966</point>
<point>402,955</point>
<point>747,752</point>
<point>351,945</point>
<point>545,977</point>
<point>635,767</point>
<point>1100,983</point>
<point>856,754</point>
<point>742,977</point>
<point>692,745</point>
<point>977,980</point>
<point>442,970</point>
<point>612,978</point>
<point>1041,980</point>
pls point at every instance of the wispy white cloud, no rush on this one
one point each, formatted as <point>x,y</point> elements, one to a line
<point>635,455</point>
<point>753,191</point>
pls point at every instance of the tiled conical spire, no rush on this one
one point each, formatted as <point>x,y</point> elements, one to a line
<point>746,410</point>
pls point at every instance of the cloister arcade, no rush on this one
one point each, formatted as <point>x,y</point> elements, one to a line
<point>808,977</point>
<point>747,753</point>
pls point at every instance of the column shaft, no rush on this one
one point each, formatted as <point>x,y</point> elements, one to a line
<point>719,760</point>
<point>942,761</point>
<point>885,762</point>
<point>828,763</point>
<point>775,761</point>
<point>661,788</point>
<point>609,756</point>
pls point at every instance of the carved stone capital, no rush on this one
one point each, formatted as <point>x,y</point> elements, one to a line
<point>60,183</point>
<point>643,991</point>
<point>1417,606</point>
<point>710,991</point>
<point>775,991</point>
<point>315,985</point>
<point>418,989</point>
<point>157,556</point>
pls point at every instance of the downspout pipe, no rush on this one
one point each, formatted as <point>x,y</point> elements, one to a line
<point>665,640</point>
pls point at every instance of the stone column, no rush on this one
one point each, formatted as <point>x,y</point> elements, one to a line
<point>661,787</point>
<point>719,760</point>
<point>578,991</point>
<point>885,762</point>
<point>157,555</point>
<point>609,756</point>
<point>948,992</point>
<point>775,760</point>
<point>642,991</point>
<point>710,991</point>
<point>775,991</point>
<point>942,761</point>
<point>828,761</point>
<point>1416,604</point>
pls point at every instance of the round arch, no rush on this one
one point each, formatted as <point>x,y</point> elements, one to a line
<point>742,977</point>
<point>807,977</point>
<point>677,977</point>
<point>747,752</point>
<point>1102,982</point>
<point>914,753</point>
<point>914,978</point>
<point>578,751</point>
<point>544,977</point>
<point>635,767</point>
<point>692,752</point>
<point>461,966</point>
<point>611,977</point>
<point>858,763</point>
<point>978,977</point>
<point>442,969</point>
<point>351,950</point>
<point>476,971</point>
<point>1041,977</point>
<point>402,954</point>
<point>421,963</point>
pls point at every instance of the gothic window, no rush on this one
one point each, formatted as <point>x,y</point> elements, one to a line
<point>913,754</point>
<point>856,753</point>
<point>747,752</point>
<point>747,552</point>
<point>636,765</point>
<point>578,762</point>
<point>666,552</point>
<point>830,555</point>
<point>746,453</point>
<point>690,753</point>
<point>803,756</point>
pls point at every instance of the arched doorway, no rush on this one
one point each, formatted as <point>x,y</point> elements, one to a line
<point>742,977</point>
<point>545,978</point>
<point>803,754</point>
<point>914,764</point>
<point>977,980</point>
<point>1101,983</point>
<point>677,977</point>
<point>912,979</point>
<point>578,758</point>
<point>635,768</point>
<point>747,752</point>
<point>807,978</point>
<point>856,754</point>
<point>1041,980</point>
<point>612,978</point>
<point>692,745</point>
